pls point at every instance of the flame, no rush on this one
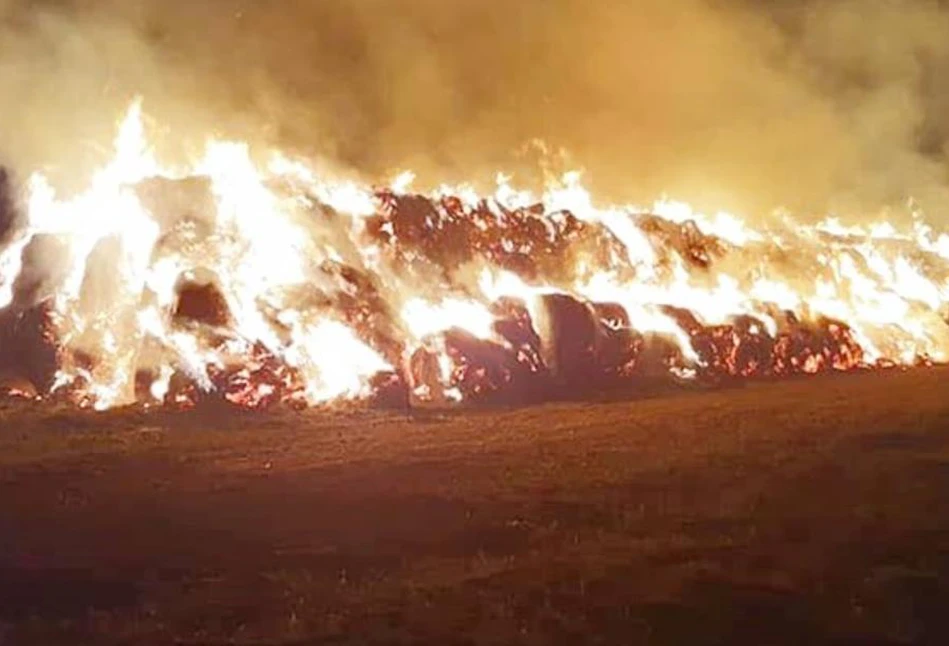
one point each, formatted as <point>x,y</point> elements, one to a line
<point>424,319</point>
<point>306,289</point>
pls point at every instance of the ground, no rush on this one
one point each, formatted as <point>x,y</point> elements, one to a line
<point>814,511</point>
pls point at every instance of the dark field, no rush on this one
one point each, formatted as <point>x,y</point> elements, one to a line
<point>807,512</point>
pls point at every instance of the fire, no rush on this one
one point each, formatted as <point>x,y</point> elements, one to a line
<point>257,281</point>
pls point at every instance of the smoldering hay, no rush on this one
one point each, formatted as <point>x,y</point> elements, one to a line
<point>259,282</point>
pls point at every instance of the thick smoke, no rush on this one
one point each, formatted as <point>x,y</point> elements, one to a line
<point>836,104</point>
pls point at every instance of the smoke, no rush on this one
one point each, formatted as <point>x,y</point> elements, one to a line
<point>835,104</point>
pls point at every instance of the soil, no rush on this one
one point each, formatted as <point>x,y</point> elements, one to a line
<point>814,511</point>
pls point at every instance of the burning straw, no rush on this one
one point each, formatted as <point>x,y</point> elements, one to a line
<point>261,283</point>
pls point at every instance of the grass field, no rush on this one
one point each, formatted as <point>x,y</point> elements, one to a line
<point>808,512</point>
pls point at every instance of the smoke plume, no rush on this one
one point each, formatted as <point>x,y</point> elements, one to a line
<point>820,105</point>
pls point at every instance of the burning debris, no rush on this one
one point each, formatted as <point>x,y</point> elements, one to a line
<point>261,285</point>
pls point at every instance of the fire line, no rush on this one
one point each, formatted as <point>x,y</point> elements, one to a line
<point>260,284</point>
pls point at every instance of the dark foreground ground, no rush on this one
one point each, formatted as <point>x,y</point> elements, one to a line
<point>800,513</point>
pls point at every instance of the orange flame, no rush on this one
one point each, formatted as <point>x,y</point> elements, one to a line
<point>278,244</point>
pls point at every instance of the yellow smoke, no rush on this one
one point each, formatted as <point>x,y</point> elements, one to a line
<point>836,105</point>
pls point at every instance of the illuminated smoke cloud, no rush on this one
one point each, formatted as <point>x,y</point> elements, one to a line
<point>816,106</point>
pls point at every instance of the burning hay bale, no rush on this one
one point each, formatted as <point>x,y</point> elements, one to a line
<point>427,378</point>
<point>389,391</point>
<point>28,348</point>
<point>365,310</point>
<point>257,286</point>
<point>32,286</point>
<point>570,331</point>
<point>486,371</point>
<point>744,348</point>
<point>620,346</point>
<point>814,347</point>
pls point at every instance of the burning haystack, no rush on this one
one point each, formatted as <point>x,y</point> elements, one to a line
<point>259,283</point>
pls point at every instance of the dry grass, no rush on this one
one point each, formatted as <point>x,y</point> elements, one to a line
<point>813,511</point>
